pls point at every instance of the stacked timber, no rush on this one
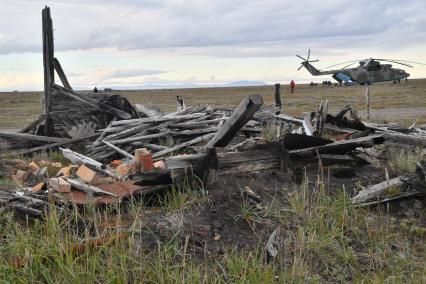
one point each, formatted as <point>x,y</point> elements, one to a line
<point>164,134</point>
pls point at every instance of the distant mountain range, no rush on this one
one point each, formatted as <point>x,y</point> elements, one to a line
<point>242,83</point>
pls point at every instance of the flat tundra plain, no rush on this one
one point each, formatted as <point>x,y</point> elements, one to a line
<point>402,103</point>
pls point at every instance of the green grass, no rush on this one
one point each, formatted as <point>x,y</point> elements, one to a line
<point>326,239</point>
<point>403,161</point>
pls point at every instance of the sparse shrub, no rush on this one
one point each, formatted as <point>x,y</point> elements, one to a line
<point>403,161</point>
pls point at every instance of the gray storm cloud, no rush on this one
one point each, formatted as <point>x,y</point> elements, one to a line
<point>132,24</point>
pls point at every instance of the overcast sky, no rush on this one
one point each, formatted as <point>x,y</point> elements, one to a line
<point>204,42</point>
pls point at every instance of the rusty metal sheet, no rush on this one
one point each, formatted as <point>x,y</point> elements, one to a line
<point>123,189</point>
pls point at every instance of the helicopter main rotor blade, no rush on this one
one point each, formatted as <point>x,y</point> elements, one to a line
<point>314,60</point>
<point>348,65</point>
<point>299,67</point>
<point>341,63</point>
<point>301,57</point>
<point>397,60</point>
<point>309,54</point>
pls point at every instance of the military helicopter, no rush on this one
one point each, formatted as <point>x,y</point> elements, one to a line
<point>369,70</point>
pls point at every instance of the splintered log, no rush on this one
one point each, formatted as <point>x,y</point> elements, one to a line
<point>375,191</point>
<point>61,73</point>
<point>92,102</point>
<point>240,116</point>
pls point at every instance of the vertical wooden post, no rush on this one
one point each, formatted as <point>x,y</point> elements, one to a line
<point>49,77</point>
<point>367,100</point>
<point>211,167</point>
<point>278,97</point>
<point>284,157</point>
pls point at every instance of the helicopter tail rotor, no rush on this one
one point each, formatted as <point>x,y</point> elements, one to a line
<point>306,60</point>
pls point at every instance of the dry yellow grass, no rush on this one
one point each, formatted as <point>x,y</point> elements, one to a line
<point>20,108</point>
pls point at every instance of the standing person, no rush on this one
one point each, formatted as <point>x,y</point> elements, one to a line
<point>292,85</point>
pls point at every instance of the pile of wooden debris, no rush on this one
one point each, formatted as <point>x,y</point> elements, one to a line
<point>134,150</point>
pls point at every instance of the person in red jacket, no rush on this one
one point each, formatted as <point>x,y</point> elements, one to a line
<point>292,85</point>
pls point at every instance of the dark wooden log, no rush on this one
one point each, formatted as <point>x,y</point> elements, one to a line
<point>211,166</point>
<point>238,118</point>
<point>284,157</point>
<point>278,97</point>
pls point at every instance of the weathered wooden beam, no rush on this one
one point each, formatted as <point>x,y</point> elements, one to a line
<point>122,152</point>
<point>238,118</point>
<point>78,158</point>
<point>61,73</point>
<point>49,77</point>
<point>32,137</point>
<point>375,191</point>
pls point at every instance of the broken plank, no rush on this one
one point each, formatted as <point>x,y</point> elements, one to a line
<point>373,192</point>
<point>307,126</point>
<point>238,118</point>
<point>122,152</point>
